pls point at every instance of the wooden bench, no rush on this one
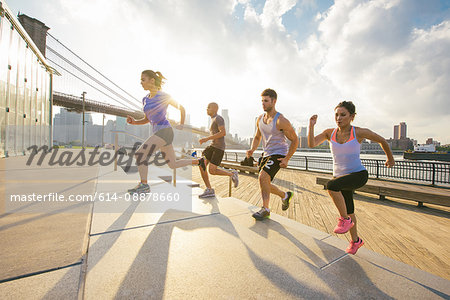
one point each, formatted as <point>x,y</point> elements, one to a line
<point>419,193</point>
<point>236,166</point>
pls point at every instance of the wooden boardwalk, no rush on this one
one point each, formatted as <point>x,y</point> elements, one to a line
<point>395,228</point>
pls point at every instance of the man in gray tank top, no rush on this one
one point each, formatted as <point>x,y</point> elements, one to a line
<point>273,128</point>
<point>213,154</point>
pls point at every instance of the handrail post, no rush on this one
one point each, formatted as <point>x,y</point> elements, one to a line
<point>235,153</point>
<point>306,162</point>
<point>229,186</point>
<point>378,168</point>
<point>175,177</point>
<point>434,173</point>
<point>116,149</point>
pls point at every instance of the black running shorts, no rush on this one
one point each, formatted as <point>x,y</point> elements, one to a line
<point>213,155</point>
<point>347,185</point>
<point>270,164</point>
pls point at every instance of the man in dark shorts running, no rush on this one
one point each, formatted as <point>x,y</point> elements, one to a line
<point>273,128</point>
<point>213,154</point>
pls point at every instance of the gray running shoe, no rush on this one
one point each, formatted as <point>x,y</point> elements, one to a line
<point>262,214</point>
<point>208,193</point>
<point>285,203</point>
<point>140,188</point>
<point>235,178</point>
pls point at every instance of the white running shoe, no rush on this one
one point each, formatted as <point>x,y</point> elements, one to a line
<point>235,178</point>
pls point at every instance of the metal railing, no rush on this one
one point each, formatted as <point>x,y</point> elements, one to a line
<point>431,173</point>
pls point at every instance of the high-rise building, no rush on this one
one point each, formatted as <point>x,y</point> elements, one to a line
<point>68,126</point>
<point>396,132</point>
<point>302,132</point>
<point>303,142</point>
<point>402,132</point>
<point>121,123</point>
<point>226,119</point>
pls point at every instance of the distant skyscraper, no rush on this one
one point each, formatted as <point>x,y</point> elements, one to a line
<point>226,118</point>
<point>121,123</point>
<point>402,130</point>
<point>396,132</point>
<point>67,126</point>
<point>303,142</point>
<point>303,132</point>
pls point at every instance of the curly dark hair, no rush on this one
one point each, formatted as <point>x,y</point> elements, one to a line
<point>347,105</point>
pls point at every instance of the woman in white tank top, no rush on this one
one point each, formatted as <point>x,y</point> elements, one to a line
<point>348,172</point>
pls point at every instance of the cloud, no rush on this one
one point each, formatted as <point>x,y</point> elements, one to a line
<point>273,12</point>
<point>389,57</point>
<point>376,55</point>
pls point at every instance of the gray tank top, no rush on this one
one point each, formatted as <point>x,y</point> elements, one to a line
<point>273,140</point>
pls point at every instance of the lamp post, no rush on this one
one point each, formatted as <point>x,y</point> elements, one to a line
<point>82,140</point>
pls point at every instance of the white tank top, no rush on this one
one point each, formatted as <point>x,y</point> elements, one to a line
<point>346,157</point>
<point>273,140</point>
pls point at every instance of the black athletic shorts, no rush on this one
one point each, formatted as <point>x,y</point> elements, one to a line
<point>166,134</point>
<point>347,185</point>
<point>213,155</point>
<point>270,164</point>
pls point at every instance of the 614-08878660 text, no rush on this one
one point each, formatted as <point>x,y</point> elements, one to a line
<point>142,197</point>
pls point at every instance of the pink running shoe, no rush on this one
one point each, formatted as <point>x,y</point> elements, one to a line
<point>343,225</point>
<point>354,246</point>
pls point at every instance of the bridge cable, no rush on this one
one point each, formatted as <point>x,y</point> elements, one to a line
<point>109,96</point>
<point>92,67</point>
<point>90,77</point>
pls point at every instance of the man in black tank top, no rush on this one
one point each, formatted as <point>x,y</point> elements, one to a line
<point>276,152</point>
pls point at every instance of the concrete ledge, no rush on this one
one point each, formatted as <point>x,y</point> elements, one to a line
<point>60,284</point>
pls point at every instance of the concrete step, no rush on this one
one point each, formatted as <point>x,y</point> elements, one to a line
<point>219,250</point>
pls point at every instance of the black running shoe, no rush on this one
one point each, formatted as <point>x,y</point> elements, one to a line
<point>285,203</point>
<point>261,214</point>
<point>201,163</point>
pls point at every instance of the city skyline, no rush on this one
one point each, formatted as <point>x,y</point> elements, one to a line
<point>314,54</point>
<point>67,129</point>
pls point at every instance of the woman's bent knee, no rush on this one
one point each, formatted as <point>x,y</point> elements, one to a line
<point>332,186</point>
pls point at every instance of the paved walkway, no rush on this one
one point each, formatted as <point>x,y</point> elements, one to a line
<point>418,236</point>
<point>196,248</point>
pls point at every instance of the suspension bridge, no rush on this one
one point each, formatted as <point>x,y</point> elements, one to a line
<point>105,96</point>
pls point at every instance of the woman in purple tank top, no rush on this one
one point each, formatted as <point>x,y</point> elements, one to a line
<point>155,106</point>
<point>348,172</point>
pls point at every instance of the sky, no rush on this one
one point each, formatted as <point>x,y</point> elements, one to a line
<point>391,58</point>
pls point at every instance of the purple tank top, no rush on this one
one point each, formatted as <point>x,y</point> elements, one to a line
<point>156,110</point>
